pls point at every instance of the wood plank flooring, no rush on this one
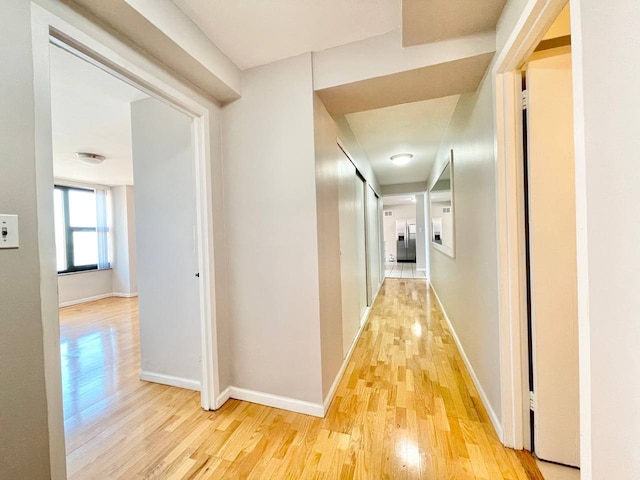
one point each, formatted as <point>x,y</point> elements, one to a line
<point>405,409</point>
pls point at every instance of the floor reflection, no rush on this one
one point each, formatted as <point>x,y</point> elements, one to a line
<point>95,350</point>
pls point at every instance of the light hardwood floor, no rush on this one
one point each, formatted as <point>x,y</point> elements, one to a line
<point>405,409</point>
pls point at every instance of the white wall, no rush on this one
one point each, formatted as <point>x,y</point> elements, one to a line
<point>271,224</point>
<point>510,14</point>
<point>84,286</point>
<point>400,212</point>
<point>327,205</point>
<point>339,302</point>
<point>467,285</point>
<point>422,232</point>
<point>24,435</point>
<point>165,221</point>
<point>606,71</point>
<point>125,270</point>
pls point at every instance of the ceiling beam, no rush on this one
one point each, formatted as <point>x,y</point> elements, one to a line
<point>165,34</point>
<point>434,20</point>
<point>426,83</point>
<point>384,55</point>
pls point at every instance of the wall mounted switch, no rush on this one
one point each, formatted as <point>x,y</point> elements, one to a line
<point>9,231</point>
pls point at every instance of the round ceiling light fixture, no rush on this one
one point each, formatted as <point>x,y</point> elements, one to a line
<point>91,158</point>
<point>401,158</point>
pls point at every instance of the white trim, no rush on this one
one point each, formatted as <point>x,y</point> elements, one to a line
<point>85,300</point>
<point>449,251</point>
<point>474,377</point>
<point>511,262</point>
<point>535,19</point>
<point>170,380</point>
<point>292,404</point>
<point>78,301</point>
<point>65,182</point>
<point>223,397</point>
<point>582,244</point>
<point>277,401</point>
<point>93,43</point>
<point>421,269</point>
<point>125,295</point>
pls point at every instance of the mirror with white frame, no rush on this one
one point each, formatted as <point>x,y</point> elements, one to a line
<point>441,210</point>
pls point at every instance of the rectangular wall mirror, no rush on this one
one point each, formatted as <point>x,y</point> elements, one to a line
<point>441,209</point>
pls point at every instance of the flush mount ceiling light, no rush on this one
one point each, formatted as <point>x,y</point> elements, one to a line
<point>91,158</point>
<point>401,158</point>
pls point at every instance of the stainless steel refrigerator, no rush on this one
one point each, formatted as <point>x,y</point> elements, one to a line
<point>406,240</point>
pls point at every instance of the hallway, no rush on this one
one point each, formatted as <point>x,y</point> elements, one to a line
<point>405,409</point>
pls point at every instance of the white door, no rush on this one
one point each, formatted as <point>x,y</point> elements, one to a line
<point>352,250</point>
<point>361,241</point>
<point>373,241</point>
<point>167,260</point>
<point>381,250</point>
<point>552,235</point>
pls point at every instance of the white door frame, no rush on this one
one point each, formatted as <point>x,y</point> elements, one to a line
<point>537,17</point>
<point>53,22</point>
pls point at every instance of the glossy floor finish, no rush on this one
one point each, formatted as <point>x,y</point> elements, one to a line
<point>406,408</point>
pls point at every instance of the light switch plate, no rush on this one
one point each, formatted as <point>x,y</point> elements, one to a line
<point>9,231</point>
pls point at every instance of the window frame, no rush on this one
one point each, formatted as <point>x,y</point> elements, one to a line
<point>69,230</point>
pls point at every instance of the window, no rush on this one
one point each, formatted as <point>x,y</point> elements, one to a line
<point>81,229</point>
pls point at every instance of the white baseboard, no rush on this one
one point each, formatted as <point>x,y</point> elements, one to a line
<point>85,300</point>
<point>96,297</point>
<point>222,398</point>
<point>124,295</point>
<point>474,377</point>
<point>277,401</point>
<point>170,380</point>
<point>292,404</point>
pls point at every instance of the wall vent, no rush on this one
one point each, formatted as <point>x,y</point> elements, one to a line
<point>388,213</point>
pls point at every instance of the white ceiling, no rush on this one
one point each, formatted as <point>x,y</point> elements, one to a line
<point>90,113</point>
<point>406,112</point>
<point>415,128</point>
<point>392,200</point>
<point>256,32</point>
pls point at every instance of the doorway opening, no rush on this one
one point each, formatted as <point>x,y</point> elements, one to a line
<point>537,238</point>
<point>404,237</point>
<point>550,247</point>
<point>126,253</point>
<point>81,226</point>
